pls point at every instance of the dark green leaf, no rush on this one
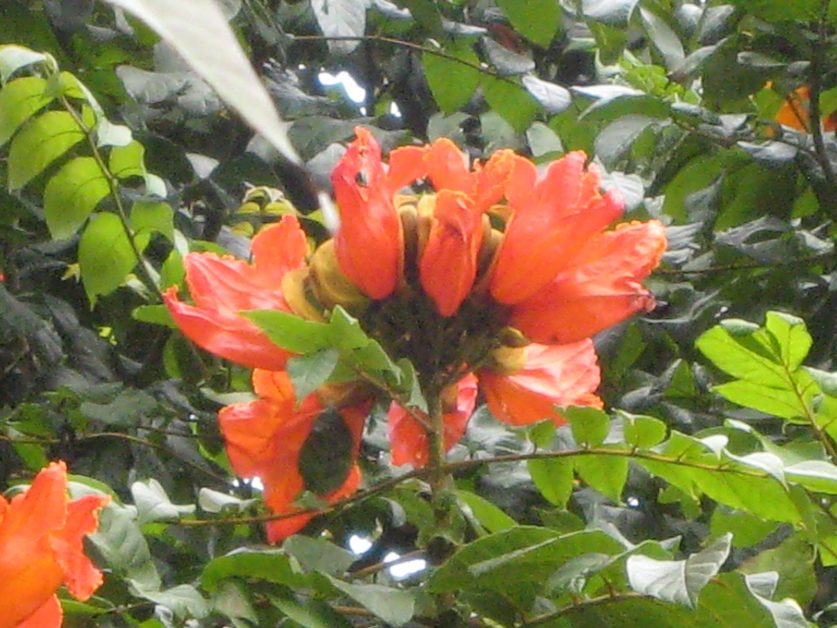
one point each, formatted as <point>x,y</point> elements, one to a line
<point>326,456</point>
<point>309,372</point>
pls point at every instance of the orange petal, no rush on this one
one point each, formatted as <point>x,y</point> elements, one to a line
<point>448,167</point>
<point>408,437</point>
<point>492,178</point>
<point>562,375</point>
<point>225,334</point>
<point>550,222</point>
<point>448,263</point>
<point>369,244</point>
<point>600,289</point>
<point>49,615</point>
<point>277,250</point>
<point>80,575</point>
<point>406,165</point>
<point>228,284</point>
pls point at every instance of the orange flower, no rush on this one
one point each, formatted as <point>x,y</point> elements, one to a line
<point>794,112</point>
<point>409,438</point>
<point>552,219</point>
<point>265,438</point>
<point>598,287</point>
<point>41,548</point>
<point>546,377</point>
<point>370,244</point>
<point>221,287</point>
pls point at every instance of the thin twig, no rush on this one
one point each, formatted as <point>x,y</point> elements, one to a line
<point>584,604</point>
<point>386,564</point>
<point>747,265</point>
<point>817,63</point>
<point>407,44</point>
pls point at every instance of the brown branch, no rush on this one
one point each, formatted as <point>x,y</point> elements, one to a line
<point>817,63</point>
<point>584,604</point>
<point>747,265</point>
<point>373,569</point>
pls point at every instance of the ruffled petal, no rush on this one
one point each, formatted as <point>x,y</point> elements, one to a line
<point>408,437</point>
<point>80,575</point>
<point>228,284</point>
<point>448,167</point>
<point>406,165</point>
<point>448,263</point>
<point>562,375</point>
<point>600,288</point>
<point>369,244</point>
<point>549,225</point>
<point>225,334</point>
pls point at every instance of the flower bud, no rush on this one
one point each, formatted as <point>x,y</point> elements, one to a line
<point>507,360</point>
<point>331,286</point>
<point>298,293</point>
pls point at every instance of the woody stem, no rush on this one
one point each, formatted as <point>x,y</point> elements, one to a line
<point>439,477</point>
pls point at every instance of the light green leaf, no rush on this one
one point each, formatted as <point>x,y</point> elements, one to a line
<point>183,600</point>
<point>40,142</point>
<point>452,83</point>
<point>511,101</point>
<point>611,12</point>
<point>537,20</point>
<point>310,613</point>
<point>215,502</point>
<point>791,336</point>
<point>641,431</point>
<point>149,217</point>
<point>104,255</point>
<point>490,516</point>
<point>72,195</point>
<point>553,477</point>
<point>127,161</point>
<point>678,581</point>
<point>606,474</point>
<point>309,372</point>
<point>590,426</point>
<point>290,331</point>
<point>19,101</point>
<point>121,544</point>
<point>189,28</point>
<point>268,565</point>
<point>13,58</point>
<point>776,401</point>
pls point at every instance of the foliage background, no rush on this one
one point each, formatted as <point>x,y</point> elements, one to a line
<point>676,99</point>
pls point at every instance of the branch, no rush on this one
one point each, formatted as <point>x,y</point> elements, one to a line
<point>817,62</point>
<point>747,265</point>
<point>407,44</point>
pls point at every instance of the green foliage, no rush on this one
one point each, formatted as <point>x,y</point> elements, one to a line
<point>702,495</point>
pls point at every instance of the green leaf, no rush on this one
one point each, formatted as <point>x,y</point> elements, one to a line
<point>511,101</point>
<point>793,560</point>
<point>105,255</point>
<point>183,600</point>
<point>72,195</point>
<point>791,336</point>
<point>149,217</point>
<point>552,97</point>
<point>611,12</point>
<point>127,161</point>
<point>310,613</point>
<point>452,83</point>
<point>606,474</point>
<point>679,581</point>
<point>490,516</point>
<point>665,40</point>
<point>19,101</point>
<point>642,432</point>
<point>326,456</point>
<point>40,142</point>
<point>13,58</point>
<point>290,331</point>
<point>394,606</point>
<point>128,408</point>
<point>616,139</point>
<point>154,314</point>
<point>231,599</point>
<point>590,426</point>
<point>746,529</point>
<point>188,28</point>
<point>123,547</point>
<point>153,503</point>
<point>318,555</point>
<point>267,565</point>
<point>554,478</point>
<point>816,475</point>
<point>744,354</point>
<point>309,372</point>
<point>537,20</point>
<point>215,502</point>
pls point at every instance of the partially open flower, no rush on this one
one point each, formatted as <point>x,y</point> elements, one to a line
<point>41,534</point>
<point>221,287</point>
<point>266,438</point>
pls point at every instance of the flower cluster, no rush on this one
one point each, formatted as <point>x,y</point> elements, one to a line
<point>492,277</point>
<point>795,112</point>
<point>41,535</point>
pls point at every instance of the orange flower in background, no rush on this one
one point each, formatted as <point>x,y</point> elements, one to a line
<point>599,287</point>
<point>221,287</point>
<point>409,438</point>
<point>41,534</point>
<point>265,438</point>
<point>552,217</point>
<point>794,112</point>
<point>527,383</point>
